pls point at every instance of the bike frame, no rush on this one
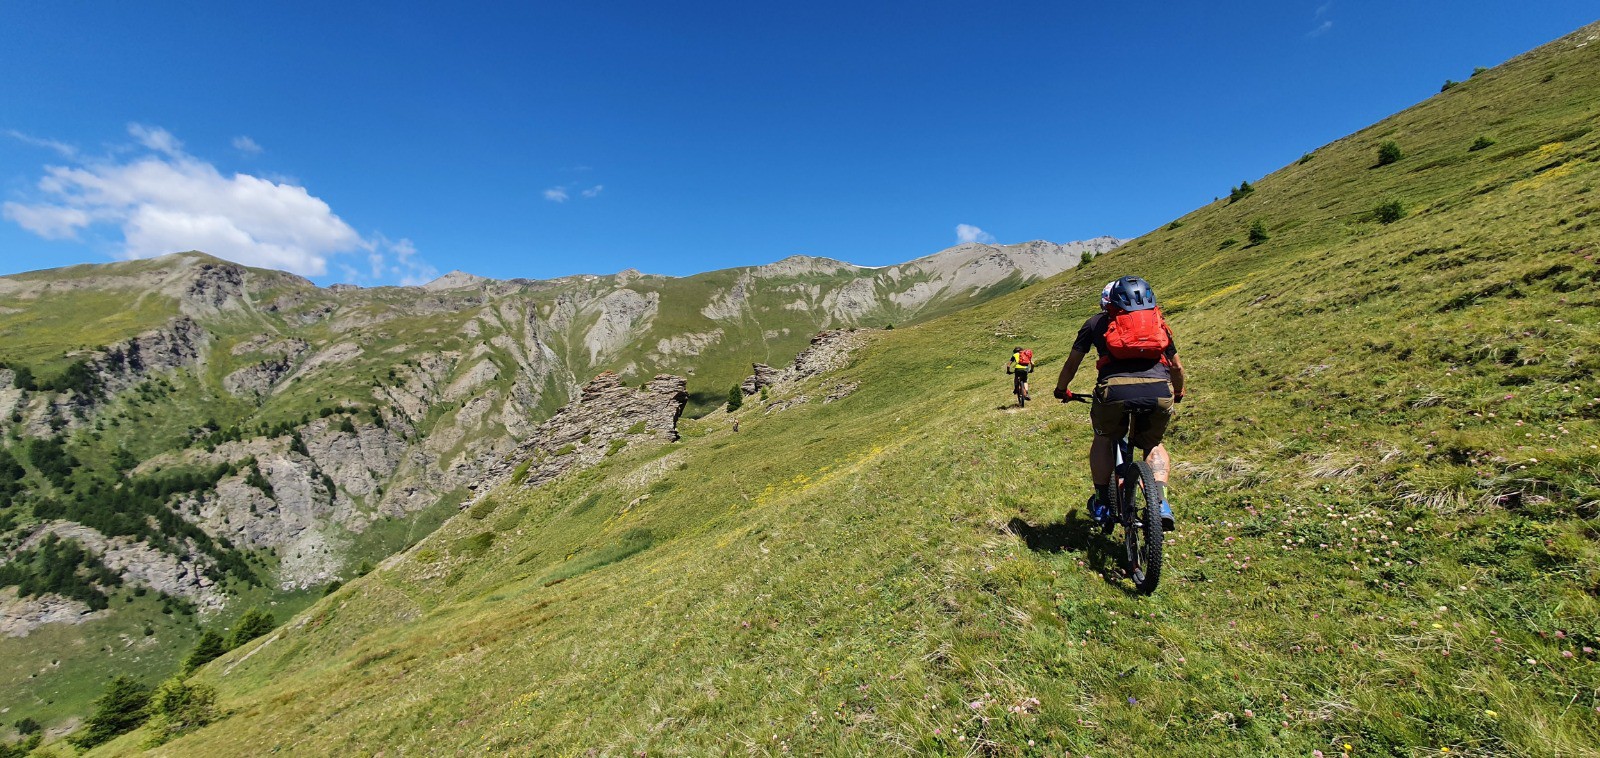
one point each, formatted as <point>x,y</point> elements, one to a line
<point>1125,470</point>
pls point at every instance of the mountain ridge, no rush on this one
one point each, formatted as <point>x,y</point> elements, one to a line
<point>286,434</point>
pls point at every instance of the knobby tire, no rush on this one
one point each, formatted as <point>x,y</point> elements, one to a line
<point>1144,538</point>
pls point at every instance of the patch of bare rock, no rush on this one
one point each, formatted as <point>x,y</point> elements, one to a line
<point>582,433</point>
<point>829,350</point>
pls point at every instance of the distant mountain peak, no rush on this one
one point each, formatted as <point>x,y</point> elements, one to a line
<point>456,280</point>
<point>799,264</point>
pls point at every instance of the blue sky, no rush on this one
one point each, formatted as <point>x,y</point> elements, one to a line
<point>386,142</point>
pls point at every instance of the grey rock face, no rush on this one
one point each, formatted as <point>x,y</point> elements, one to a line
<point>852,301</point>
<point>293,518</point>
<point>762,376</point>
<point>685,345</point>
<point>829,350</point>
<point>357,462</point>
<point>728,306</point>
<point>257,379</point>
<point>581,433</point>
<point>177,345</point>
<point>20,616</point>
<point>140,564</point>
<point>10,396</point>
<point>213,288</point>
<point>622,315</point>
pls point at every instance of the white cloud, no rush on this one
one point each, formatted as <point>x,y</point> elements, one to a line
<point>594,191</point>
<point>391,261</point>
<point>1323,22</point>
<point>246,145</point>
<point>970,233</point>
<point>165,201</point>
<point>157,139</point>
<point>556,194</point>
<point>61,148</point>
<point>47,221</point>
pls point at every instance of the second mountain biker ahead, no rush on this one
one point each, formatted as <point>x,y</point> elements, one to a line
<point>1020,365</point>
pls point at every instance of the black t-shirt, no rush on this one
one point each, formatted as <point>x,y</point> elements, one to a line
<point>1093,334</point>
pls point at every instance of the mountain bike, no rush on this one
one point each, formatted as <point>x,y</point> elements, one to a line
<point>1133,488</point>
<point>1019,382</point>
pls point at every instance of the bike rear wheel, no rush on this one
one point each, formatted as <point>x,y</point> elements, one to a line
<point>1141,524</point>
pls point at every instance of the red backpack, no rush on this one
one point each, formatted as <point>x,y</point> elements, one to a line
<point>1025,358</point>
<point>1138,335</point>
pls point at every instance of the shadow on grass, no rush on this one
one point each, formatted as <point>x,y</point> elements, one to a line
<point>1077,534</point>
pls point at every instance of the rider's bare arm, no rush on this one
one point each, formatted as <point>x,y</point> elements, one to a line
<point>1068,371</point>
<point>1177,376</point>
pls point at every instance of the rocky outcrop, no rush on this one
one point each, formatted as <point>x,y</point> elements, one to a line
<point>829,350</point>
<point>688,345</point>
<point>357,461</point>
<point>179,344</point>
<point>763,376</point>
<point>623,314</point>
<point>257,379</point>
<point>852,301</point>
<point>586,430</point>
<point>142,565</point>
<point>10,396</point>
<point>802,265</point>
<point>213,287</point>
<point>333,355</point>
<point>841,391</point>
<point>292,515</point>
<point>19,616</point>
<point>456,280</point>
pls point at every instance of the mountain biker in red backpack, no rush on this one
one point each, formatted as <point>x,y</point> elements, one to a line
<point>1020,365</point>
<point>1138,369</point>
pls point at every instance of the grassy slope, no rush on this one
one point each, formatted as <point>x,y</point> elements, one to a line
<point>161,417</point>
<point>1386,483</point>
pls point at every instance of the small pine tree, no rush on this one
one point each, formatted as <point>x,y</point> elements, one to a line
<point>254,623</point>
<point>1448,84</point>
<point>1258,232</point>
<point>209,648</point>
<point>119,710</point>
<point>735,398</point>
<point>179,707</point>
<point>1388,153</point>
<point>1240,192</point>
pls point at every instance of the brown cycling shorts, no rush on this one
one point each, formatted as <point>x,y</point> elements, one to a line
<point>1152,398</point>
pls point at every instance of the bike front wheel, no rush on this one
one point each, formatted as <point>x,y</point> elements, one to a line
<point>1142,535</point>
